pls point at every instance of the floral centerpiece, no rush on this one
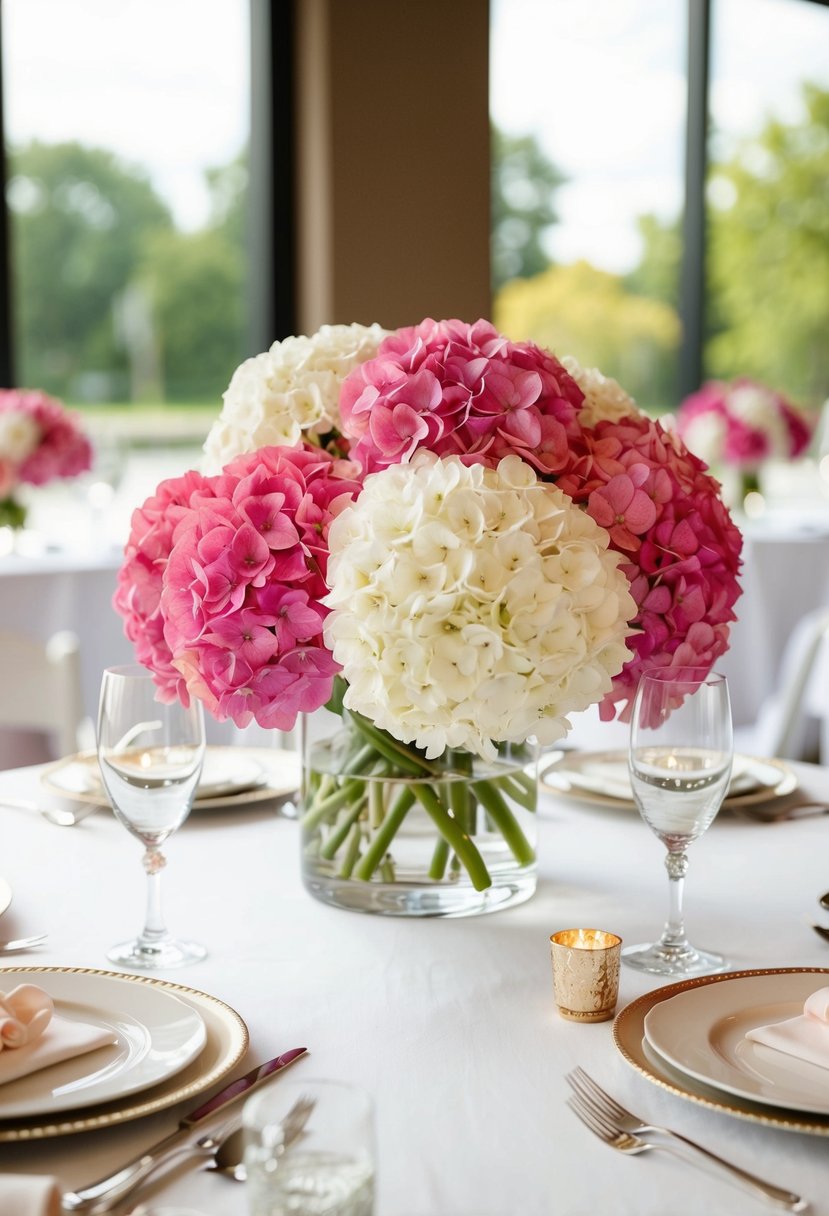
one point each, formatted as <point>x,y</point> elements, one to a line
<point>740,425</point>
<point>40,440</point>
<point>457,541</point>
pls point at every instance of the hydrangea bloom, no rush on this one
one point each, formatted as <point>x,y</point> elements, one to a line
<point>242,586</point>
<point>664,514</point>
<point>464,390</point>
<point>138,594</point>
<point>472,605</point>
<point>741,424</point>
<point>40,440</point>
<point>604,398</point>
<point>289,392</point>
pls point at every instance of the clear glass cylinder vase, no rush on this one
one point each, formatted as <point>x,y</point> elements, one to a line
<point>385,831</point>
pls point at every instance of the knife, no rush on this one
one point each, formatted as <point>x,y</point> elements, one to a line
<point>102,1195</point>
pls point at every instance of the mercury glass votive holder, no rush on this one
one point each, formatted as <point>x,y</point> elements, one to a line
<point>585,973</point>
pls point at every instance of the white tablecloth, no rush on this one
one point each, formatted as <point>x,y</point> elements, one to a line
<point>450,1024</point>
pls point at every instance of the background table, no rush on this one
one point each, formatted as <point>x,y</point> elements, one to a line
<point>450,1024</point>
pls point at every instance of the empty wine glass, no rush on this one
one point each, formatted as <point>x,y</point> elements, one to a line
<point>151,757</point>
<point>681,748</point>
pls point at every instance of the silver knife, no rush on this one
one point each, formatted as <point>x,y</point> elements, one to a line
<point>102,1195</point>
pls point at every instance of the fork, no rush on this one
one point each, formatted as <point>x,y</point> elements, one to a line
<point>61,817</point>
<point>623,1130</point>
<point>22,943</point>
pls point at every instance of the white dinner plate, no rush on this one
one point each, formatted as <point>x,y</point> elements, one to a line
<point>157,1035</point>
<point>629,1037</point>
<point>702,1033</point>
<point>5,895</point>
<point>231,775</point>
<point>601,778</point>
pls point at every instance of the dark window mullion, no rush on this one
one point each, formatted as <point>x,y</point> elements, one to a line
<point>692,273</point>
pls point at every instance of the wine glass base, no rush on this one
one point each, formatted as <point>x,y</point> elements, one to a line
<point>679,961</point>
<point>157,956</point>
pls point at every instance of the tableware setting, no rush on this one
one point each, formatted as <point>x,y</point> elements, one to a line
<point>231,776</point>
<point>601,778</point>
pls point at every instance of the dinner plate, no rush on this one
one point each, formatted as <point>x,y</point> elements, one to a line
<point>601,778</point>
<point>702,1033</point>
<point>5,895</point>
<point>629,1037</point>
<point>157,1034</point>
<point>231,775</point>
<point>225,1045</point>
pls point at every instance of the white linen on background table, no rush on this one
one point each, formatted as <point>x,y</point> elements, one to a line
<point>449,1024</point>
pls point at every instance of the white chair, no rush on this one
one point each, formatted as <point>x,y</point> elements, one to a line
<point>41,690</point>
<point>787,723</point>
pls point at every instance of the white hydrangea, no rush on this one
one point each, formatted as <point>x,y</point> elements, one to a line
<point>291,390</point>
<point>604,398</point>
<point>756,407</point>
<point>19,436</point>
<point>472,605</point>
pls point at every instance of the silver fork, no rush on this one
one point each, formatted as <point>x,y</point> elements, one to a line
<point>22,943</point>
<point>622,1130</point>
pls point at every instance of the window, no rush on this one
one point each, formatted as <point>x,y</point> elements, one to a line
<point>598,188</point>
<point>127,131</point>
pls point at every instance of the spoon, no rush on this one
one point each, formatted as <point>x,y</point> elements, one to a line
<point>228,1156</point>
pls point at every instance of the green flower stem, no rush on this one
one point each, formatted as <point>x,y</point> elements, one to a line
<point>397,753</point>
<point>336,838</point>
<point>376,806</point>
<point>460,801</point>
<point>360,761</point>
<point>384,835</point>
<point>348,792</point>
<point>440,857</point>
<point>518,792</point>
<point>452,832</point>
<point>352,852</point>
<point>505,821</point>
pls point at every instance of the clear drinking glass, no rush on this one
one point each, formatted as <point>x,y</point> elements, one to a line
<point>151,757</point>
<point>681,748</point>
<point>309,1149</point>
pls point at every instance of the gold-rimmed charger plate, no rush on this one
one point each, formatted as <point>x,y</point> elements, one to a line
<point>77,777</point>
<point>600,779</point>
<point>226,1044</point>
<point>629,1037</point>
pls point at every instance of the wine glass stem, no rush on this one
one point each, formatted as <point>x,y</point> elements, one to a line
<point>154,929</point>
<point>676,863</point>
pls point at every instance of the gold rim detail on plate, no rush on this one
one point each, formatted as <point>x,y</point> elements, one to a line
<point>787,784</point>
<point>629,1034</point>
<point>266,792</point>
<point>227,1042</point>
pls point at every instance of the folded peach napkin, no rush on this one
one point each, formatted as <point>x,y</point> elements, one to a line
<point>27,1195</point>
<point>33,1037</point>
<point>806,1036</point>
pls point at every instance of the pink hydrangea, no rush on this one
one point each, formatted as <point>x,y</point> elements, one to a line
<point>62,449</point>
<point>138,594</point>
<point>242,586</point>
<point>465,390</point>
<point>663,511</point>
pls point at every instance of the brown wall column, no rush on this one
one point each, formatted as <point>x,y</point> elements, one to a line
<point>393,171</point>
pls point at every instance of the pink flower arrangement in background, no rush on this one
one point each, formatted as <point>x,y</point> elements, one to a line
<point>224,577</point>
<point>741,424</point>
<point>40,440</point>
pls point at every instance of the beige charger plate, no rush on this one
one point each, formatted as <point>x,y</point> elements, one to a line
<point>575,762</point>
<point>629,1037</point>
<point>280,776</point>
<point>227,1042</point>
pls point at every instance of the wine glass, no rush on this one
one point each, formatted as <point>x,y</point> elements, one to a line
<point>681,748</point>
<point>151,757</point>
